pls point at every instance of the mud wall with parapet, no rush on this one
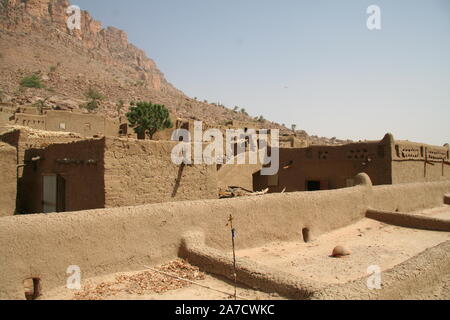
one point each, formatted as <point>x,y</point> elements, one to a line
<point>140,172</point>
<point>418,162</point>
<point>24,138</point>
<point>99,173</point>
<point>123,239</point>
<point>8,184</point>
<point>87,125</point>
<point>31,120</point>
<point>333,166</point>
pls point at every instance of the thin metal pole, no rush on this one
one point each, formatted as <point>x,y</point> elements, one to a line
<point>233,234</point>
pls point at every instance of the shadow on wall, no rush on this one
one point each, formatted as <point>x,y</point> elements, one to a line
<point>178,181</point>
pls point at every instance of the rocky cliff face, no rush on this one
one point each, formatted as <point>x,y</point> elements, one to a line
<point>35,39</point>
<point>110,45</point>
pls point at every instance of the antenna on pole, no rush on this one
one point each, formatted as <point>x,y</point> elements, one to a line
<point>233,236</point>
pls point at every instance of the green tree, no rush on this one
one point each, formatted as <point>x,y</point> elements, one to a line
<point>148,118</point>
<point>4,4</point>
<point>31,82</point>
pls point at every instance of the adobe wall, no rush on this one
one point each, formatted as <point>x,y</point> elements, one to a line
<point>331,165</point>
<point>141,171</point>
<point>108,240</point>
<point>409,197</point>
<point>237,175</point>
<point>6,114</point>
<point>31,120</point>
<point>416,162</point>
<point>122,239</point>
<point>8,185</point>
<point>87,125</point>
<point>292,142</point>
<point>24,138</point>
<point>79,163</point>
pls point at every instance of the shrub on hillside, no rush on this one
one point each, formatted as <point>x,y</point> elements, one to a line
<point>31,82</point>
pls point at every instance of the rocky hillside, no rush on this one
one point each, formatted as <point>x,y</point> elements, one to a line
<point>35,39</point>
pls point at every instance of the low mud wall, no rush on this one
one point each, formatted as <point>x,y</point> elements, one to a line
<point>250,273</point>
<point>406,220</point>
<point>124,239</point>
<point>409,197</point>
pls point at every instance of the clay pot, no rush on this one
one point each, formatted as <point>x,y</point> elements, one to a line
<point>340,251</point>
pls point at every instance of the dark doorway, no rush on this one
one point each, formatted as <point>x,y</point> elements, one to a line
<point>141,135</point>
<point>123,129</point>
<point>60,194</point>
<point>312,185</point>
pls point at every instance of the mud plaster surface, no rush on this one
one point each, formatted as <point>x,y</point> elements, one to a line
<point>371,243</point>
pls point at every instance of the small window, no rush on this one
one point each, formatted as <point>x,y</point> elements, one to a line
<point>62,126</point>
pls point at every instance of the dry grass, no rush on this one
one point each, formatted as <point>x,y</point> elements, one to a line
<point>143,282</point>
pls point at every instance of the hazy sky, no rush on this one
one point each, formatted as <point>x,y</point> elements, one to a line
<point>313,63</point>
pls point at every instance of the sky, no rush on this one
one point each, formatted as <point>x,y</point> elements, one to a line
<point>313,63</point>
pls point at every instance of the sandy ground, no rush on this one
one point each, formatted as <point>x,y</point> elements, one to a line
<point>371,243</point>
